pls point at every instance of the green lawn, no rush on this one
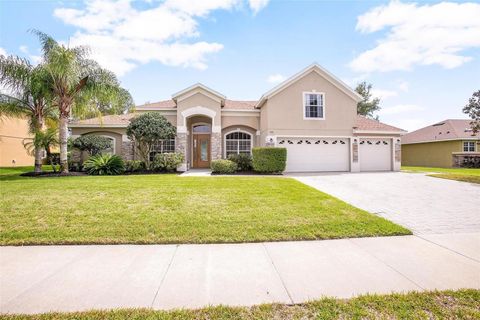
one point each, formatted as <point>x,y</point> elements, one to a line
<point>18,170</point>
<point>173,209</point>
<point>460,174</point>
<point>461,304</point>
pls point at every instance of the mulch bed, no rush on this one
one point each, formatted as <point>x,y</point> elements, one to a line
<point>52,174</point>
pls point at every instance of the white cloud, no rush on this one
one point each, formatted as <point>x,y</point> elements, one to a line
<point>383,94</point>
<point>276,78</point>
<point>23,49</point>
<point>122,37</point>
<point>401,108</point>
<point>419,35</point>
<point>410,124</point>
<point>403,86</point>
<point>257,5</point>
<point>3,52</point>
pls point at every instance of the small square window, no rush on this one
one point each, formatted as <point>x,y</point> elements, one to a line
<point>469,146</point>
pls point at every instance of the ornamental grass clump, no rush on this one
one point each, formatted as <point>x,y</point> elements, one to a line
<point>104,164</point>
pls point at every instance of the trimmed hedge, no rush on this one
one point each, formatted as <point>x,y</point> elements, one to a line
<point>223,166</point>
<point>269,159</point>
<point>243,161</point>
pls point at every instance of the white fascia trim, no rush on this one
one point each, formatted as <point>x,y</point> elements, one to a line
<point>195,86</point>
<point>333,79</point>
<point>306,136</point>
<point>379,132</point>
<point>241,110</point>
<point>456,139</point>
<point>97,125</point>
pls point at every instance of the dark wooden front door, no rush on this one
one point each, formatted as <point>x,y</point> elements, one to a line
<point>201,150</point>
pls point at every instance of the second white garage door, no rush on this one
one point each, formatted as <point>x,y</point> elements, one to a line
<point>316,154</point>
<point>375,154</point>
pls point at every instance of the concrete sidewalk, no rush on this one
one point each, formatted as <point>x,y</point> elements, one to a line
<point>38,279</point>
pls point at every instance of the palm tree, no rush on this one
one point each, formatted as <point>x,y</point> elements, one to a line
<point>28,95</point>
<point>43,140</point>
<point>77,83</point>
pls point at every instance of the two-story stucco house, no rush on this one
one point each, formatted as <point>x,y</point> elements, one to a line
<point>313,114</point>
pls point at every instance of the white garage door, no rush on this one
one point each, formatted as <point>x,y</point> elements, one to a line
<point>316,154</point>
<point>375,154</point>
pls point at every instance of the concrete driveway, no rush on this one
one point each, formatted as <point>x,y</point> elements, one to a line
<point>425,205</point>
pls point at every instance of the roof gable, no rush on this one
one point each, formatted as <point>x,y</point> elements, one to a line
<point>199,88</point>
<point>315,67</point>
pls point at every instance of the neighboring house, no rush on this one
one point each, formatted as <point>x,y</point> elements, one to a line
<point>313,114</point>
<point>444,144</point>
<point>12,133</point>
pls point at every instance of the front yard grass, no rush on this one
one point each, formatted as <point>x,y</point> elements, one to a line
<point>172,209</point>
<point>461,304</point>
<point>459,174</point>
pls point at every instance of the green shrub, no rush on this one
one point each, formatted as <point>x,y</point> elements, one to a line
<point>167,161</point>
<point>269,160</point>
<point>243,161</point>
<point>104,164</point>
<point>223,166</point>
<point>134,166</point>
<point>92,143</point>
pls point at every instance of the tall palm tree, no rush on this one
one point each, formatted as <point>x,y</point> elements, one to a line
<point>43,140</point>
<point>76,85</point>
<point>27,95</point>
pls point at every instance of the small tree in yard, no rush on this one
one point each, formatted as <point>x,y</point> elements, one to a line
<point>473,111</point>
<point>367,106</point>
<point>91,143</point>
<point>146,130</point>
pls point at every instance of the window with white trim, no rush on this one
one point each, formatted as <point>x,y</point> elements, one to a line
<point>162,146</point>
<point>469,146</point>
<point>238,142</point>
<point>314,105</point>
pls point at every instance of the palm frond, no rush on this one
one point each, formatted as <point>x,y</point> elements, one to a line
<point>47,42</point>
<point>15,73</point>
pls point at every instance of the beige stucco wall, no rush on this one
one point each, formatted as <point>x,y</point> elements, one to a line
<point>12,133</point>
<point>432,154</point>
<point>283,113</point>
<point>200,99</point>
<point>252,120</point>
<point>115,133</point>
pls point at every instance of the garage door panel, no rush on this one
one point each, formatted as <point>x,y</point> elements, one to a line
<point>375,154</point>
<point>316,154</point>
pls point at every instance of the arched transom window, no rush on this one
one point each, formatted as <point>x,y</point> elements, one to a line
<point>238,142</point>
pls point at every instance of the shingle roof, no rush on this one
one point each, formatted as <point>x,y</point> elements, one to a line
<point>229,104</point>
<point>160,104</point>
<point>367,124</point>
<point>450,129</point>
<point>106,120</point>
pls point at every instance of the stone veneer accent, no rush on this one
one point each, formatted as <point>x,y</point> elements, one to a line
<point>216,148</point>
<point>181,147</point>
<point>128,150</point>
<point>398,150</point>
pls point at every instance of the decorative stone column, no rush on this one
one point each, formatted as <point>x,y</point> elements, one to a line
<point>128,151</point>
<point>216,148</point>
<point>397,154</point>
<point>181,147</point>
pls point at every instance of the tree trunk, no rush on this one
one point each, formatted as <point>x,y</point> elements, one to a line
<point>63,143</point>
<point>38,150</point>
<point>38,159</point>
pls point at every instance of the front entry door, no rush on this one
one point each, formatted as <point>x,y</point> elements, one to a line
<point>201,150</point>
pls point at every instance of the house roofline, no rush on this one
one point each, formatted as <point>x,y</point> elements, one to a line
<point>453,139</point>
<point>313,67</point>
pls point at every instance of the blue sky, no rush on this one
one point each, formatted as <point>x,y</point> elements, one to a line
<point>423,59</point>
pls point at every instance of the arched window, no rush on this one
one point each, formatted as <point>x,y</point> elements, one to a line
<point>201,128</point>
<point>238,142</point>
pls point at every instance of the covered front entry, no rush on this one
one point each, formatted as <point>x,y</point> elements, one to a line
<point>201,151</point>
<point>200,142</point>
